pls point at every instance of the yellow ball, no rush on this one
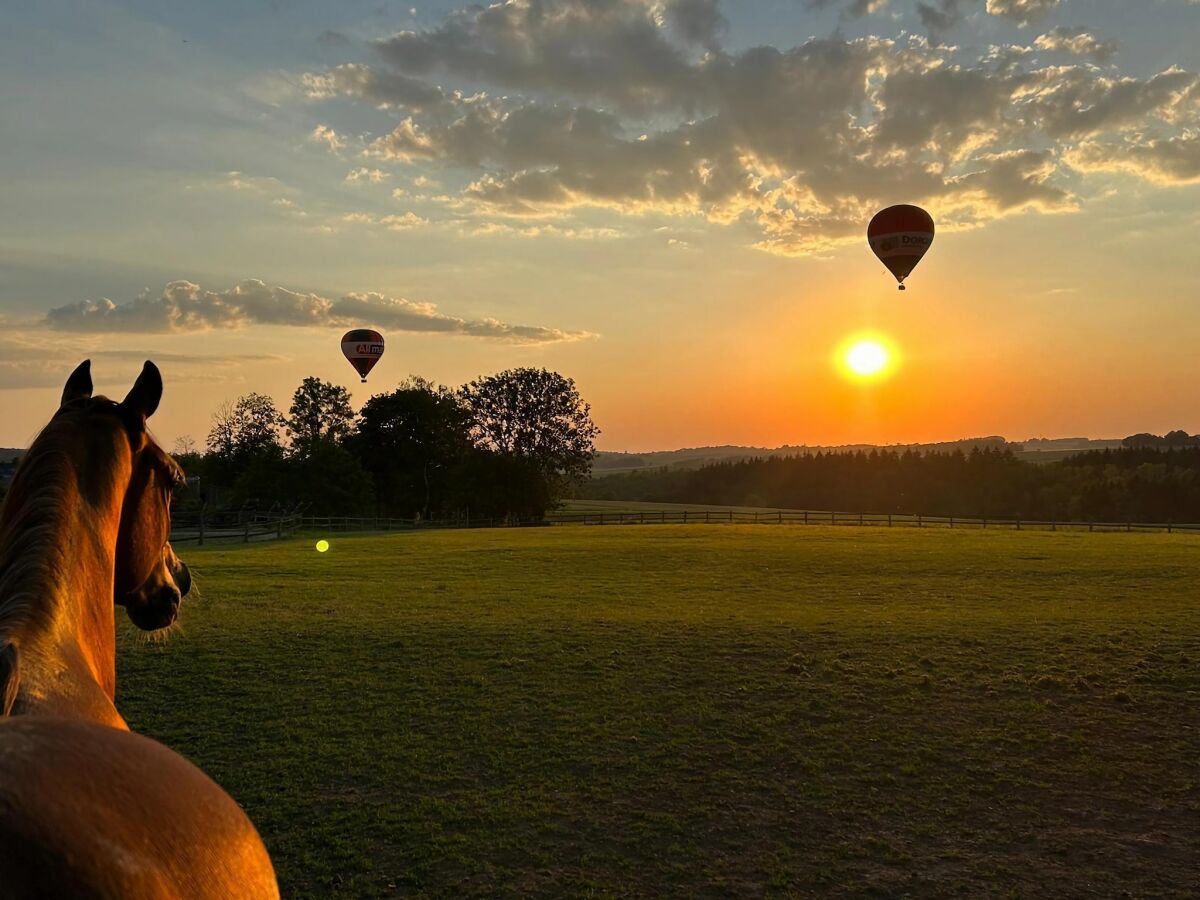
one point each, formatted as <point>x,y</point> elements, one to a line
<point>322,546</point>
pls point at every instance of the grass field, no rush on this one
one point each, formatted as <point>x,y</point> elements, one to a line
<point>711,711</point>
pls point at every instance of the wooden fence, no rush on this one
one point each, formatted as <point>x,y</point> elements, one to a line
<point>821,517</point>
<point>246,527</point>
<point>230,527</point>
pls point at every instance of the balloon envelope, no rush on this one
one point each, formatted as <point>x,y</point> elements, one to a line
<point>899,236</point>
<point>362,347</point>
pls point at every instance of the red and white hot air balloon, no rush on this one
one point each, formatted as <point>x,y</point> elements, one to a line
<point>899,236</point>
<point>362,347</point>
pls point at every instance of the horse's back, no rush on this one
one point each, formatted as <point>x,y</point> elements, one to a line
<point>92,811</point>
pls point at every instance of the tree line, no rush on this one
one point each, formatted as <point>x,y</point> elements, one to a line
<point>505,445</point>
<point>1134,484</point>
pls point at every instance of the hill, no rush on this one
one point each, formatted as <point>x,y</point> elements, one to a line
<point>611,462</point>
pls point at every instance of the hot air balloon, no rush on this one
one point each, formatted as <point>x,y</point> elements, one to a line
<point>899,236</point>
<point>362,347</point>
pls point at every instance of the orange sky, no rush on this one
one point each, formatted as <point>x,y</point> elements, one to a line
<point>683,240</point>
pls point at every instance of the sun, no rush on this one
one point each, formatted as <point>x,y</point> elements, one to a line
<point>866,358</point>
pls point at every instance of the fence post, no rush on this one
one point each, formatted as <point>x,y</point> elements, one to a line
<point>919,525</point>
<point>685,512</point>
<point>806,517</point>
<point>731,517</point>
<point>833,518</point>
<point>201,526</point>
<point>1170,526</point>
<point>246,531</point>
<point>706,520</point>
<point>1091,526</point>
<point>1018,524</point>
<point>889,520</point>
<point>781,517</point>
<point>860,518</point>
<point>1129,526</point>
<point>985,523</point>
<point>1054,524</point>
<point>279,527</point>
<point>662,516</point>
<point>952,521</point>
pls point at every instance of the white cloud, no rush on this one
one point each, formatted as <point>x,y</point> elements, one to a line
<point>325,135</point>
<point>1174,160</point>
<point>1021,11</point>
<point>632,105</point>
<point>369,176</point>
<point>184,307</point>
<point>1077,41</point>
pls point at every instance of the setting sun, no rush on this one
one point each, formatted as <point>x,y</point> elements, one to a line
<point>866,358</point>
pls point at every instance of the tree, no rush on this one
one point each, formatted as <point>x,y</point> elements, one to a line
<point>320,411</point>
<point>538,416</point>
<point>329,481</point>
<point>412,441</point>
<point>244,434</point>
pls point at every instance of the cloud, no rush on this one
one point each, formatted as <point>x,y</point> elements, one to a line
<point>332,40</point>
<point>1174,160</point>
<point>325,135</point>
<point>851,9</point>
<point>385,89</point>
<point>699,22</point>
<point>633,106</point>
<point>1021,11</point>
<point>403,222</point>
<point>617,51</point>
<point>940,16</point>
<point>184,307</point>
<point>1077,41</point>
<point>363,174</point>
<point>24,362</point>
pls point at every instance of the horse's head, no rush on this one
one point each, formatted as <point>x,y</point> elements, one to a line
<point>149,579</point>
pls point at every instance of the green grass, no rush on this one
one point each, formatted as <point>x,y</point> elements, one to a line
<point>718,710</point>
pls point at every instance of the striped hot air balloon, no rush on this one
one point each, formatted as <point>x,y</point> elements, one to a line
<point>362,347</point>
<point>899,236</point>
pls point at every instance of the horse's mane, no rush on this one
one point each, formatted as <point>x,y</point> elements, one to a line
<point>29,552</point>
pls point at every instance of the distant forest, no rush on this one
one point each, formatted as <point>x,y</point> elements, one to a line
<point>1150,479</point>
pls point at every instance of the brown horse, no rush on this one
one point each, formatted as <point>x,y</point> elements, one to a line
<point>87,808</point>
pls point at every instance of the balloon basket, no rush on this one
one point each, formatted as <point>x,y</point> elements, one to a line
<point>903,288</point>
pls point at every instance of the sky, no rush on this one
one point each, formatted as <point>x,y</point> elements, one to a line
<point>665,200</point>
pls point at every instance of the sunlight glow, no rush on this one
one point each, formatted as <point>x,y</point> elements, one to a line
<point>866,357</point>
<point>322,546</point>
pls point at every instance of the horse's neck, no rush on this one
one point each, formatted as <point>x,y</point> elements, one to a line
<point>59,591</point>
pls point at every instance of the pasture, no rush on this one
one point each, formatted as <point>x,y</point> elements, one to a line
<point>713,711</point>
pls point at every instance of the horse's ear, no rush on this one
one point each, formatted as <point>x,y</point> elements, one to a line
<point>142,399</point>
<point>79,385</point>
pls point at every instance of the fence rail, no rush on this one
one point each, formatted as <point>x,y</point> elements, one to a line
<point>232,527</point>
<point>823,517</point>
<point>247,528</point>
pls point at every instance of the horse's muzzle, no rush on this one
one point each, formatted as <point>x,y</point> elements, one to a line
<point>157,610</point>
